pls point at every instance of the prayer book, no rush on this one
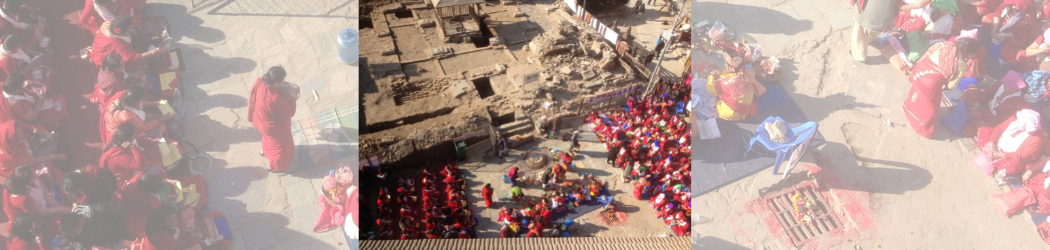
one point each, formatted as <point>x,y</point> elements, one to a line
<point>169,153</point>
<point>174,60</point>
<point>44,41</point>
<point>708,128</point>
<point>165,107</point>
<point>166,79</point>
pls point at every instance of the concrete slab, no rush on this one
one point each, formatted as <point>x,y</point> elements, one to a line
<point>460,87</point>
<point>257,237</point>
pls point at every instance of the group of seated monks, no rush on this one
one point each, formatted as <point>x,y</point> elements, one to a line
<point>535,217</point>
<point>657,158</point>
<point>131,197</point>
<point>93,207</point>
<point>442,214</point>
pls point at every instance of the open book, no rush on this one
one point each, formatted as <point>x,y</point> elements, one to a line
<point>169,153</point>
<point>165,107</point>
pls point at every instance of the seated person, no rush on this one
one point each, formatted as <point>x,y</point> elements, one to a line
<point>114,36</point>
<point>139,200</point>
<point>95,225</point>
<point>14,149</point>
<point>991,106</point>
<point>110,81</point>
<point>98,11</point>
<point>30,192</point>
<point>130,108</point>
<point>1012,145</point>
<point>123,156</point>
<point>90,185</point>
<point>163,232</point>
<point>35,109</point>
<point>1028,58</point>
<point>14,57</point>
<point>1014,26</point>
<point>23,21</point>
<point>180,174</point>
<point>735,87</point>
<point>22,234</point>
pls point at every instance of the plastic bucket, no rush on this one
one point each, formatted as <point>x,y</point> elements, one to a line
<point>348,46</point>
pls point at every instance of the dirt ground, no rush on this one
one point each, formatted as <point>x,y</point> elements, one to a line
<point>891,188</point>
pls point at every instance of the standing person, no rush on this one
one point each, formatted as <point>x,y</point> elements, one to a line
<point>942,67</point>
<point>501,147</point>
<point>487,193</point>
<point>614,151</point>
<point>575,141</point>
<point>512,174</point>
<point>270,110</point>
<point>874,16</point>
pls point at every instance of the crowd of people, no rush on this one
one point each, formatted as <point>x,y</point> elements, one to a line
<point>136,195</point>
<point>559,195</point>
<point>437,210</point>
<point>650,141</point>
<point>939,43</point>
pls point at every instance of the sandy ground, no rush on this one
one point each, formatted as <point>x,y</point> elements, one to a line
<point>892,188</point>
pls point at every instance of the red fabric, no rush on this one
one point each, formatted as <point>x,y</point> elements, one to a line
<point>270,111</point>
<point>103,45</point>
<point>1014,200</point>
<point>138,206</point>
<point>1022,62</point>
<point>14,152</point>
<point>928,80</point>
<point>331,215</point>
<point>202,189</point>
<point>729,89</point>
<point>14,206</point>
<point>16,243</point>
<point>906,22</point>
<point>1014,163</point>
<point>162,241</point>
<point>123,162</point>
<point>487,193</point>
<point>8,65</point>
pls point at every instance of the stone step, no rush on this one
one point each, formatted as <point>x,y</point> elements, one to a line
<point>519,127</point>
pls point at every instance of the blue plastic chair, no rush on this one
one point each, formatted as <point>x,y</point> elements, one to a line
<point>681,108</point>
<point>799,135</point>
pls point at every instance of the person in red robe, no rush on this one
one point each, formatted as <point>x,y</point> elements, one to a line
<point>181,173</point>
<point>22,20</point>
<point>97,12</point>
<point>30,108</point>
<point>22,235</point>
<point>487,193</point>
<point>110,80</point>
<point>122,157</point>
<point>139,200</point>
<point>639,188</point>
<point>23,193</point>
<point>270,110</point>
<point>113,36</point>
<point>13,58</point>
<point>1013,144</point>
<point>129,108</point>
<point>164,233</point>
<point>14,151</point>
<point>90,185</point>
<point>936,71</point>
